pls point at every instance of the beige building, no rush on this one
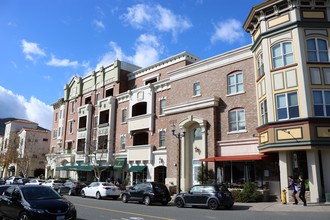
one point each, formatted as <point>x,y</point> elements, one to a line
<point>25,145</point>
<point>257,113</point>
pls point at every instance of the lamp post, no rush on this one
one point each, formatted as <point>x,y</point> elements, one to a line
<point>178,136</point>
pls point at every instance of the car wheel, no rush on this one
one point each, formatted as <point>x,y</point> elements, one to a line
<point>83,194</point>
<point>213,204</point>
<point>147,200</point>
<point>98,195</point>
<point>228,206</point>
<point>179,203</point>
<point>124,198</point>
<point>70,192</point>
<point>24,216</point>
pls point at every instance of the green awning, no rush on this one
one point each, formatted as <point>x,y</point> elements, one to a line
<point>136,168</point>
<point>80,168</point>
<point>120,163</point>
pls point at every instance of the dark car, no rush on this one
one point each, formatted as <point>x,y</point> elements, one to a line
<point>71,188</point>
<point>3,188</point>
<point>212,196</point>
<point>148,193</point>
<point>27,202</point>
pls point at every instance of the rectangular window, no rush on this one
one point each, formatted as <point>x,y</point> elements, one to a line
<point>162,104</point>
<point>56,116</point>
<point>263,112</point>
<point>72,106</point>
<point>71,127</point>
<point>162,135</point>
<point>237,120</point>
<point>260,65</point>
<point>235,83</point>
<point>326,76</point>
<point>197,89</point>
<point>287,106</point>
<point>315,76</point>
<point>321,103</point>
<point>123,115</point>
<point>123,142</point>
<point>54,133</point>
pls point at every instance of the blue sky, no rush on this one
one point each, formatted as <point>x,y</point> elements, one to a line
<point>43,43</point>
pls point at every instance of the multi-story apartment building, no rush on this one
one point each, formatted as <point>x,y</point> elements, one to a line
<point>257,113</point>
<point>23,148</point>
<point>291,53</point>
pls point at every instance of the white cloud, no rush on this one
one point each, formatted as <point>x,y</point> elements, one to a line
<point>99,25</point>
<point>147,51</point>
<point>62,63</point>
<point>156,17</point>
<point>13,105</point>
<point>228,31</point>
<point>32,50</point>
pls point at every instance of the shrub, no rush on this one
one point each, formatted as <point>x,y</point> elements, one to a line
<point>248,194</point>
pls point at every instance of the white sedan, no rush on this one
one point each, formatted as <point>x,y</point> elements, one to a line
<point>101,190</point>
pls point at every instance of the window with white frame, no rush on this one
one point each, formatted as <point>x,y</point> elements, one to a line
<point>71,124</point>
<point>260,65</point>
<point>54,133</point>
<point>287,106</point>
<point>162,135</point>
<point>263,112</point>
<point>123,142</point>
<point>123,115</point>
<point>321,103</point>
<point>162,104</point>
<point>317,50</point>
<point>237,120</point>
<point>235,83</point>
<point>72,106</point>
<point>197,89</point>
<point>282,54</point>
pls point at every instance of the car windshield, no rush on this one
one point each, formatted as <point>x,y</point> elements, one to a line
<point>39,193</point>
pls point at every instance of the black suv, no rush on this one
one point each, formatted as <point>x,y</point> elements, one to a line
<point>148,192</point>
<point>212,196</point>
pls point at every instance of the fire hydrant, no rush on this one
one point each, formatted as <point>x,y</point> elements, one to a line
<point>283,196</point>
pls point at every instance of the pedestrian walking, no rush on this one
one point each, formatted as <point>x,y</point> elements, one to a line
<point>302,189</point>
<point>292,186</point>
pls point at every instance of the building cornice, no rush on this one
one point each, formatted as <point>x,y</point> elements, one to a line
<point>192,106</point>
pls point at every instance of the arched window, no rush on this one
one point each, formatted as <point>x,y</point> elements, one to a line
<point>282,54</point>
<point>317,50</point>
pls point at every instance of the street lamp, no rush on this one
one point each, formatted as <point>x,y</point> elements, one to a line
<point>178,136</point>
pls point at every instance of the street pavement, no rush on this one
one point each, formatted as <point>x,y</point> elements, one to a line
<point>279,207</point>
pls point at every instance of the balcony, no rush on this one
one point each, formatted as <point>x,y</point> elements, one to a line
<point>140,122</point>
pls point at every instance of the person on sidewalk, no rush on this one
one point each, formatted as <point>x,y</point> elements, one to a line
<point>302,190</point>
<point>292,186</point>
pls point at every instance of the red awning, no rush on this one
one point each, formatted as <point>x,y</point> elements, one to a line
<point>234,158</point>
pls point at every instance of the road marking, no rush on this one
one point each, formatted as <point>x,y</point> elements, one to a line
<point>128,213</point>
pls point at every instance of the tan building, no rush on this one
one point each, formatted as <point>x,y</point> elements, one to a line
<point>257,113</point>
<point>25,146</point>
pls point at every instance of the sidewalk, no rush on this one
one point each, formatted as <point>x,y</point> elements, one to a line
<point>279,207</point>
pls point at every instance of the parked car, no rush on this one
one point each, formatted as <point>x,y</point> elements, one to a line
<point>22,202</point>
<point>3,188</point>
<point>148,193</point>
<point>101,190</point>
<point>71,188</point>
<point>212,196</point>
<point>35,182</point>
<point>12,179</point>
<point>22,181</point>
<point>55,184</point>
